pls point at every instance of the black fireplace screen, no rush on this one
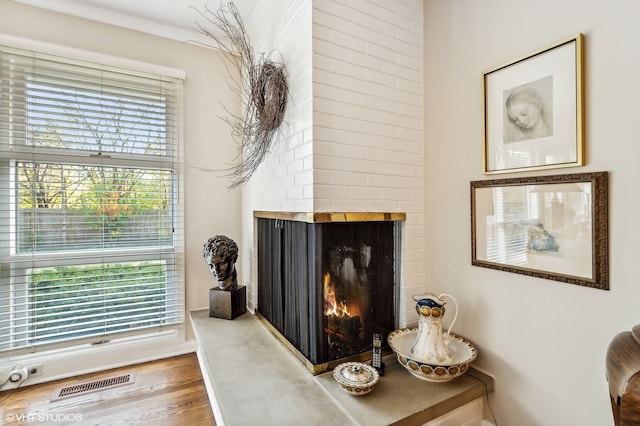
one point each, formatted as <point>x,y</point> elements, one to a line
<point>327,287</point>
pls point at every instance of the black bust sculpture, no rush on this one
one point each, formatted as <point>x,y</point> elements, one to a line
<point>220,253</point>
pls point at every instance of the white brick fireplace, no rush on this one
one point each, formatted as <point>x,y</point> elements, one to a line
<point>352,140</point>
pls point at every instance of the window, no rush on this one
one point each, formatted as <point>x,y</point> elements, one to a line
<point>90,216</point>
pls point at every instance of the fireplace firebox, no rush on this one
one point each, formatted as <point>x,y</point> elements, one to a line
<point>328,281</point>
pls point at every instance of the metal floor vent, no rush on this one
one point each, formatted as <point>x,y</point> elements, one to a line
<point>93,386</point>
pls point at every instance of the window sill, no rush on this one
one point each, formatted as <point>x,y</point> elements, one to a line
<point>69,362</point>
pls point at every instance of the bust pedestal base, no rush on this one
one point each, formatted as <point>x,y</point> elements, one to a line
<point>227,304</point>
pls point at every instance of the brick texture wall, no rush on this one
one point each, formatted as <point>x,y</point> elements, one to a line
<point>353,137</point>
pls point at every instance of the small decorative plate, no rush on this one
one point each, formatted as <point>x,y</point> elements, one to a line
<point>462,351</point>
<point>356,378</point>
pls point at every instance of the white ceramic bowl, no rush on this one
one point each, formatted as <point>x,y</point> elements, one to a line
<point>356,378</point>
<point>462,351</point>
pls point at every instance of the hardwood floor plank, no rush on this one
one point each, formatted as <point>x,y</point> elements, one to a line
<point>166,392</point>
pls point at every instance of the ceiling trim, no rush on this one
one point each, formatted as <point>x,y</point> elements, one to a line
<point>119,20</point>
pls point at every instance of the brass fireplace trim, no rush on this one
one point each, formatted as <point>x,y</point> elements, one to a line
<point>328,217</point>
<point>315,369</point>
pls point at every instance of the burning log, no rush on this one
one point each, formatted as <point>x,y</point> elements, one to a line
<point>344,328</point>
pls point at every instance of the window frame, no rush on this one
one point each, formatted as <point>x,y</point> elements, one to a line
<point>13,269</point>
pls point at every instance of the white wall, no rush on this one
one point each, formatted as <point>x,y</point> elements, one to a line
<point>209,207</point>
<point>544,341</point>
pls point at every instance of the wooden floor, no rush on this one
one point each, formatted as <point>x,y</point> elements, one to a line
<point>165,392</point>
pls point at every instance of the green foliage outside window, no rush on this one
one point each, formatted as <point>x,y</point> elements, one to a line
<point>64,299</point>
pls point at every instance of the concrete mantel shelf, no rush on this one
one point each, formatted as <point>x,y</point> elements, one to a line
<point>253,379</point>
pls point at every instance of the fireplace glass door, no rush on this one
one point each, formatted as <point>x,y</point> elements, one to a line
<point>327,287</point>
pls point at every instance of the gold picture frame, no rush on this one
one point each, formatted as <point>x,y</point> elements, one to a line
<point>533,111</point>
<point>552,227</point>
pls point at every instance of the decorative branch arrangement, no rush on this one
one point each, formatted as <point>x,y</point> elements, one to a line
<point>263,91</point>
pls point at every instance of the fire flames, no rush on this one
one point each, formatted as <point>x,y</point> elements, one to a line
<point>344,321</point>
<point>331,305</point>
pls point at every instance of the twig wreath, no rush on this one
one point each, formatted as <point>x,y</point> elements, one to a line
<point>263,91</point>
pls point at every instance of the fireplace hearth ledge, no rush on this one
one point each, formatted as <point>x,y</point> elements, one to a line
<point>252,379</point>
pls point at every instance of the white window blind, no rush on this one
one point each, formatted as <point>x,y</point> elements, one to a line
<point>90,215</point>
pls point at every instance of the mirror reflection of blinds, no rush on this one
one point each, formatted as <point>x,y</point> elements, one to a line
<point>506,229</point>
<point>91,222</point>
